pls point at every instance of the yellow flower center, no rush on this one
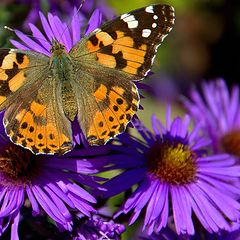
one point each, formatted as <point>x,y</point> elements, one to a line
<point>17,166</point>
<point>173,163</point>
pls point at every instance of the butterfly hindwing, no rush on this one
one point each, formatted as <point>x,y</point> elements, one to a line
<point>106,104</point>
<point>37,121</point>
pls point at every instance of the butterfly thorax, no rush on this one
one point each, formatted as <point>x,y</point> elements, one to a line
<point>62,69</point>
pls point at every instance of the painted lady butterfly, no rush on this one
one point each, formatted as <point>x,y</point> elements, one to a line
<point>42,95</point>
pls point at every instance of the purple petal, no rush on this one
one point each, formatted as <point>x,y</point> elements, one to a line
<point>94,21</point>
<point>40,37</point>
<point>32,199</point>
<point>14,227</point>
<point>32,44</point>
<point>47,204</point>
<point>129,178</point>
<point>46,27</point>
<point>19,45</point>
<point>75,27</point>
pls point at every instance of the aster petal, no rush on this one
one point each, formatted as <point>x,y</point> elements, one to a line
<point>181,212</point>
<point>114,186</point>
<point>32,199</point>
<point>19,45</point>
<point>2,193</point>
<point>81,204</point>
<point>157,126</point>
<point>40,37</point>
<point>14,228</point>
<point>211,103</point>
<point>75,26</point>
<point>145,133</point>
<point>140,197</point>
<point>212,216</point>
<point>168,117</point>
<point>46,27</point>
<point>55,27</point>
<point>64,34</point>
<point>163,218</point>
<point>74,188</point>
<point>233,107</point>
<point>227,205</point>
<point>218,160</point>
<point>184,127</point>
<point>47,204</point>
<point>94,22</point>
<point>230,171</point>
<point>175,127</point>
<point>60,193</point>
<point>32,44</point>
<point>155,205</point>
<point>220,185</point>
<point>200,143</point>
<point>178,211</point>
<point>13,200</point>
<point>58,202</point>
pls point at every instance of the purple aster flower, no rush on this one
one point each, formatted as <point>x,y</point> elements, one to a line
<point>54,28</point>
<point>65,8</point>
<point>170,234</point>
<point>218,110</point>
<point>172,164</point>
<point>53,185</point>
<point>96,228</point>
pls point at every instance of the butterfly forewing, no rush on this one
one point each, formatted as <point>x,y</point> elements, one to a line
<point>121,51</point>
<point>129,42</point>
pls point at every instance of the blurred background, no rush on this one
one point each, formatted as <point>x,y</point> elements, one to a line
<point>203,45</point>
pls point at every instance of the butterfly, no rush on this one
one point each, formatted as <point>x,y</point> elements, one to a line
<point>93,83</point>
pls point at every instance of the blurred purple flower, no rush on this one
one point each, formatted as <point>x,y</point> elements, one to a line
<point>172,164</point>
<point>51,184</point>
<point>218,111</point>
<point>96,228</point>
<point>54,28</point>
<point>66,7</point>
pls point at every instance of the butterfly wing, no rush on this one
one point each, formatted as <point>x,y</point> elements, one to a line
<point>127,43</point>
<point>33,118</point>
<point>106,104</point>
<point>18,71</point>
<point>109,59</point>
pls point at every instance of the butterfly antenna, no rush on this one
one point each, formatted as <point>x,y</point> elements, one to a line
<point>78,10</point>
<point>28,35</point>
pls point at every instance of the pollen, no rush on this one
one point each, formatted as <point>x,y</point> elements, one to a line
<point>17,166</point>
<point>230,142</point>
<point>173,163</point>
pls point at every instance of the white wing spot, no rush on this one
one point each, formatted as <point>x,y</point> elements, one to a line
<point>154,25</point>
<point>149,9</point>
<point>155,17</point>
<point>133,24</point>
<point>130,20</point>
<point>146,33</point>
<point>125,15</point>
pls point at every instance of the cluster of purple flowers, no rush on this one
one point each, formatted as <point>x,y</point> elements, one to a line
<point>180,180</point>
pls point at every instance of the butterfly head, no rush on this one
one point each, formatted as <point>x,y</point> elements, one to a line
<point>57,47</point>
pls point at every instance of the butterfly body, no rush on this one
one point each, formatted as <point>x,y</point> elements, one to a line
<point>62,68</point>
<point>92,83</point>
